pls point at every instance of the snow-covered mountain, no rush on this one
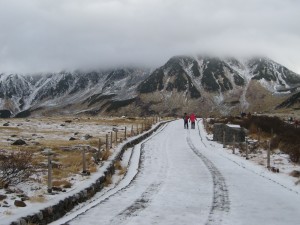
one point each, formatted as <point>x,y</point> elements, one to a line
<point>209,85</point>
<point>184,83</point>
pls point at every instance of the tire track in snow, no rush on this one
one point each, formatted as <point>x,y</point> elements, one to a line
<point>145,199</point>
<point>220,203</point>
<point>116,190</point>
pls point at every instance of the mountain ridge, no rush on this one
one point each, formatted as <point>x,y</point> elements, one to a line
<point>183,83</point>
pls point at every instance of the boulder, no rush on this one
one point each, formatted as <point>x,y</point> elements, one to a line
<point>5,113</point>
<point>19,142</point>
<point>2,197</point>
<point>87,137</point>
<point>19,203</point>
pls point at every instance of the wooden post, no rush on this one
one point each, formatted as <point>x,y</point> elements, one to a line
<point>132,130</point>
<point>106,144</point>
<point>111,139</point>
<point>142,127</point>
<point>83,160</point>
<point>125,134</point>
<point>269,154</point>
<point>223,138</point>
<point>233,150</point>
<point>49,153</point>
<point>247,149</point>
<point>259,133</point>
<point>116,137</point>
<point>99,149</point>
<point>137,129</point>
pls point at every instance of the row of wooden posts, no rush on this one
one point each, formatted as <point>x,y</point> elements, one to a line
<point>108,145</point>
<point>247,147</point>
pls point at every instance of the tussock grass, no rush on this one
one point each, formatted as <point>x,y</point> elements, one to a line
<point>108,180</point>
<point>62,183</point>
<point>37,199</point>
<point>123,170</point>
<point>118,165</point>
<point>106,155</point>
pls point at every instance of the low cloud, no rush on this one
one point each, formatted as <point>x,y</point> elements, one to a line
<point>54,35</point>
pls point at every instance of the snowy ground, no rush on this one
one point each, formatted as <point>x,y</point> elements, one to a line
<point>179,176</point>
<point>40,133</point>
<point>184,178</point>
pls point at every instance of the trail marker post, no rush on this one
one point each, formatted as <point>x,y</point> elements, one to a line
<point>49,153</point>
<point>111,139</point>
<point>224,139</point>
<point>233,150</point>
<point>246,140</point>
<point>106,142</point>
<point>269,154</point>
<point>99,150</point>
<point>84,171</point>
<point>125,133</point>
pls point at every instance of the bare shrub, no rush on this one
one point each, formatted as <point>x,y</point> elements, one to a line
<point>106,155</point>
<point>118,165</point>
<point>123,170</point>
<point>295,173</point>
<point>108,180</point>
<point>253,128</point>
<point>15,167</point>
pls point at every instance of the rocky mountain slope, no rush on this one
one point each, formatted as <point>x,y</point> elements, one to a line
<point>183,84</point>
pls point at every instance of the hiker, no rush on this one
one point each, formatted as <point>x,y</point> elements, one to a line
<point>193,119</point>
<point>186,121</point>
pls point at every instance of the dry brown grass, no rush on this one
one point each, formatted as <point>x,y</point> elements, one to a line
<point>123,170</point>
<point>37,199</point>
<point>108,180</point>
<point>62,183</point>
<point>39,135</point>
<point>106,155</point>
<point>118,165</point>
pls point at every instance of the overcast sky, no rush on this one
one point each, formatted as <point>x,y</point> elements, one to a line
<point>55,35</point>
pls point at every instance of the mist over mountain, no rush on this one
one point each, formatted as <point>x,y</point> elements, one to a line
<point>202,84</point>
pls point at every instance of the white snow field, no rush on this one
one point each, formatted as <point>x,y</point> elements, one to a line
<point>178,176</point>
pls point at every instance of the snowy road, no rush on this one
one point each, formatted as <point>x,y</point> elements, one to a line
<point>177,176</point>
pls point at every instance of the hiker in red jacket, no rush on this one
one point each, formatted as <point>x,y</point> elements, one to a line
<point>186,121</point>
<point>193,119</point>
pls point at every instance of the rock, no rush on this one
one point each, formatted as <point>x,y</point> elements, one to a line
<point>68,121</point>
<point>72,139</point>
<point>87,136</point>
<point>19,142</point>
<point>5,113</point>
<point>6,124</point>
<point>56,188</point>
<point>13,135</point>
<point>76,133</point>
<point>19,203</point>
<point>25,198</point>
<point>2,197</point>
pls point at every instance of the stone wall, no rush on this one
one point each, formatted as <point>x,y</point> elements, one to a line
<point>52,213</point>
<point>230,132</point>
